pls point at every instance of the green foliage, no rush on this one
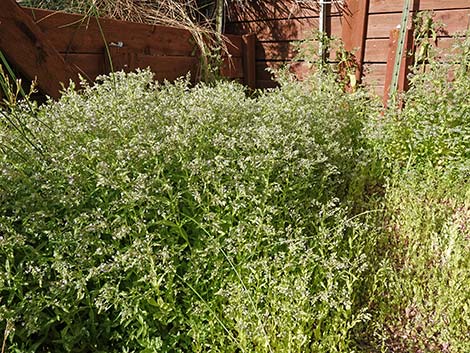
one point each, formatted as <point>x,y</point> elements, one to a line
<point>434,126</point>
<point>338,61</point>
<point>144,217</point>
<point>426,31</point>
<point>421,300</point>
<point>163,218</point>
<point>423,303</point>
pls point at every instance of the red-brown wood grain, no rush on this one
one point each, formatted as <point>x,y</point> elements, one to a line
<point>249,60</point>
<point>56,46</point>
<point>274,9</point>
<point>279,24</point>
<point>387,6</point>
<point>354,31</point>
<point>31,52</point>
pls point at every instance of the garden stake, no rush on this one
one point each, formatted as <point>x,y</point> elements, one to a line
<point>400,48</point>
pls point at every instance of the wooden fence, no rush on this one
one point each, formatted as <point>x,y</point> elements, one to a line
<point>56,47</point>
<point>364,25</point>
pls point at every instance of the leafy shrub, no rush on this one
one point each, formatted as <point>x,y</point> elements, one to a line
<point>434,126</point>
<point>421,298</point>
<point>422,302</point>
<point>139,217</point>
<point>163,218</point>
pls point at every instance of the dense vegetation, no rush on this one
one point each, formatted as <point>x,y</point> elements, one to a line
<point>143,217</point>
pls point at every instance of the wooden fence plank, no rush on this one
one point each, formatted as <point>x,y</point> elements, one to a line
<point>274,9</point>
<point>169,67</point>
<point>81,34</point>
<point>76,33</point>
<point>381,24</point>
<point>279,24</point>
<point>282,30</point>
<point>392,52</point>
<point>234,45</point>
<point>178,66</point>
<point>261,69</point>
<point>386,6</point>
<point>284,50</point>
<point>30,51</point>
<point>377,48</point>
<point>406,61</point>
<point>375,73</point>
<point>374,77</point>
<point>249,60</point>
<point>88,65</point>
<point>81,38</point>
<point>354,30</point>
<point>233,68</point>
<point>300,69</point>
<point>164,67</point>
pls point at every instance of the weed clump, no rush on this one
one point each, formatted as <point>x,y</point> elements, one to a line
<point>425,152</point>
<point>175,219</point>
<point>145,217</point>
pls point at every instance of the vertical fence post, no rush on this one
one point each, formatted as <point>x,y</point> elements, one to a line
<point>322,29</point>
<point>392,52</point>
<point>249,60</point>
<point>354,30</point>
<point>405,63</point>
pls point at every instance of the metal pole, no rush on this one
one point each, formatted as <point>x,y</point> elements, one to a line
<point>322,28</point>
<point>401,44</point>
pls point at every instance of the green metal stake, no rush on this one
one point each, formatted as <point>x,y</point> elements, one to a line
<point>400,48</point>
